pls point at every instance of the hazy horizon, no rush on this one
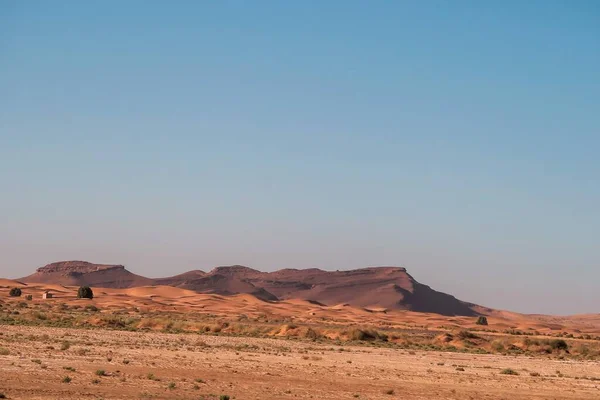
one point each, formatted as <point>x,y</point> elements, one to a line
<point>336,135</point>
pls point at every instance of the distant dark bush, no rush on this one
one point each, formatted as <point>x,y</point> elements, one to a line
<point>559,344</point>
<point>482,320</point>
<point>29,297</point>
<point>85,292</point>
<point>15,292</point>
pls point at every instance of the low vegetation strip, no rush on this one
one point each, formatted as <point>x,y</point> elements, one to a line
<point>437,339</point>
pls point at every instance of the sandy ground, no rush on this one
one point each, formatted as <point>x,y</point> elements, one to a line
<point>189,366</point>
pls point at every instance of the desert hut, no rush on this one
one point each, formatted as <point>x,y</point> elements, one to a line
<point>47,295</point>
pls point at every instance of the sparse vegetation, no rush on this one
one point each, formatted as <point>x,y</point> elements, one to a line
<point>152,377</point>
<point>509,371</point>
<point>67,379</point>
<point>482,320</point>
<point>167,352</point>
<point>15,292</point>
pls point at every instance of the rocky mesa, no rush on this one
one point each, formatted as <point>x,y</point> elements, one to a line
<point>80,273</point>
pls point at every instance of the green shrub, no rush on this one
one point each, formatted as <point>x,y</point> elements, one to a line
<point>223,397</point>
<point>29,297</point>
<point>482,320</point>
<point>152,377</point>
<point>85,292</point>
<point>509,371</point>
<point>67,379</point>
<point>15,292</point>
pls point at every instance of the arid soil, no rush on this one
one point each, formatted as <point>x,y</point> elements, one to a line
<point>170,343</point>
<point>124,365</point>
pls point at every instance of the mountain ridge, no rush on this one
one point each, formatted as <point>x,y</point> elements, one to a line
<point>387,287</point>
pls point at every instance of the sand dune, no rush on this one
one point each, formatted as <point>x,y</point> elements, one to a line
<point>11,283</point>
<point>159,291</point>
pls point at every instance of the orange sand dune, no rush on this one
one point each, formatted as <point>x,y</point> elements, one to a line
<point>159,291</point>
<point>11,283</point>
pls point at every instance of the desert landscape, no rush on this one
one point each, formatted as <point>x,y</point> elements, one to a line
<point>299,200</point>
<point>239,333</point>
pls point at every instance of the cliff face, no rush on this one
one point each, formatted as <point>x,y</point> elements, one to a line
<point>374,287</point>
<point>76,267</point>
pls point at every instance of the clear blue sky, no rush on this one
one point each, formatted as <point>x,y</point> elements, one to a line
<point>458,139</point>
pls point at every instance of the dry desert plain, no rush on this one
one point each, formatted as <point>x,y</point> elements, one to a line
<point>169,343</point>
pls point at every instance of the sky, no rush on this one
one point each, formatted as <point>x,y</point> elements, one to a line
<point>460,140</point>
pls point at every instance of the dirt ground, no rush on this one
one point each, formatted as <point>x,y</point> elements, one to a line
<point>37,362</point>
